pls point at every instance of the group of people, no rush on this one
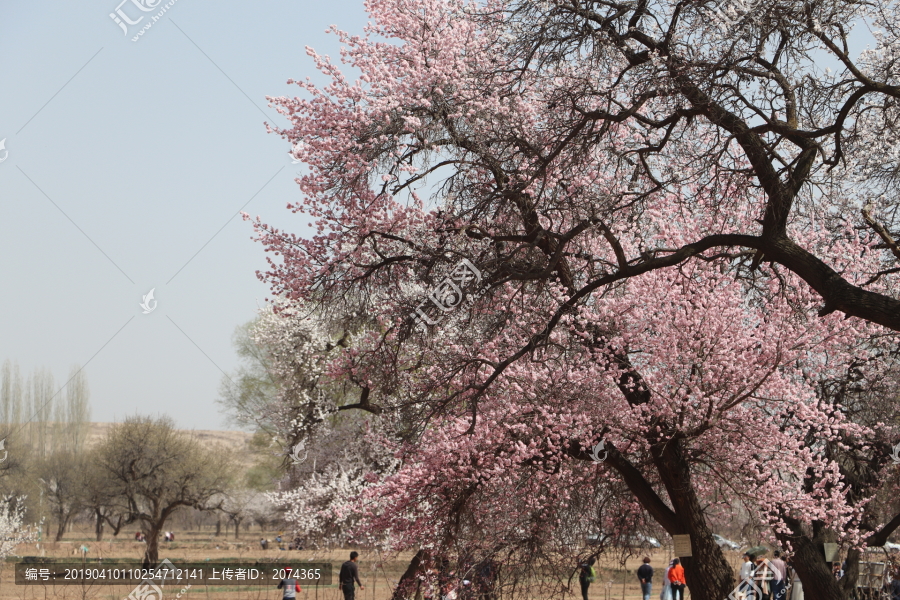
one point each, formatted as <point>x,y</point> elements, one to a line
<point>296,544</point>
<point>347,580</point>
<point>168,536</point>
<point>673,586</point>
<point>762,579</point>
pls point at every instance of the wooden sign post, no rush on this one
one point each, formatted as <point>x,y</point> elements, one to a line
<point>682,545</point>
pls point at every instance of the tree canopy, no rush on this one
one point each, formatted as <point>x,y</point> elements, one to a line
<point>633,222</point>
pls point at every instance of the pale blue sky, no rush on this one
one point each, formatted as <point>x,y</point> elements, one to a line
<point>125,159</point>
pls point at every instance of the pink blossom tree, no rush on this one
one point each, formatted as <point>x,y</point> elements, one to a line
<point>556,166</point>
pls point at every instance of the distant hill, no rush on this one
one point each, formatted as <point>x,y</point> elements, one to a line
<point>234,440</point>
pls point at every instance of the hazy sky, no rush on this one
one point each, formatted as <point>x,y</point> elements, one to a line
<point>124,168</point>
<point>127,164</point>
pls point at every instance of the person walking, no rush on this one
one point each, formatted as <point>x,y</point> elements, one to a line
<point>587,576</point>
<point>645,575</point>
<point>746,574</point>
<point>349,574</point>
<point>779,576</point>
<point>676,579</point>
<point>762,579</point>
<point>895,586</point>
<point>290,587</point>
<point>666,593</point>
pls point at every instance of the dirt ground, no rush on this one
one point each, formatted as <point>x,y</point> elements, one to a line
<point>379,573</point>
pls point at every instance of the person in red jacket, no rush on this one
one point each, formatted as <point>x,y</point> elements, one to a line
<point>676,580</point>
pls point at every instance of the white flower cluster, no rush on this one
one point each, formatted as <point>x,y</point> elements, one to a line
<point>334,453</point>
<point>12,530</point>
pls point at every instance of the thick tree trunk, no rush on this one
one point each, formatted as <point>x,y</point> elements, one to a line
<point>809,562</point>
<point>151,552</point>
<point>218,527</point>
<point>851,572</point>
<point>237,529</point>
<point>708,574</point>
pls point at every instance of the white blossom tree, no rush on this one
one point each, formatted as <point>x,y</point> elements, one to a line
<point>330,452</point>
<point>12,528</point>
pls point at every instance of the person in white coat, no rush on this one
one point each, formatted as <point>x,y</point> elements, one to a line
<point>666,593</point>
<point>796,585</point>
<point>746,575</point>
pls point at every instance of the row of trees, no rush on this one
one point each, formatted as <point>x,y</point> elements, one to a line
<point>682,238</point>
<point>39,414</point>
<point>142,471</point>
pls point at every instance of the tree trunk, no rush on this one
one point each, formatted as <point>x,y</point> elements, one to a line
<point>408,580</point>
<point>117,526</point>
<point>151,552</point>
<point>218,527</point>
<point>237,528</point>
<point>851,572</point>
<point>98,525</point>
<point>809,562</point>
<point>708,574</point>
<point>61,528</point>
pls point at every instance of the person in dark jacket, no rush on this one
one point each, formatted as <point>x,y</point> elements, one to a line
<point>645,575</point>
<point>587,576</point>
<point>289,587</point>
<point>350,574</point>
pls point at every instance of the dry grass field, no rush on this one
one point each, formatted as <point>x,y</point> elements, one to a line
<point>378,572</point>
